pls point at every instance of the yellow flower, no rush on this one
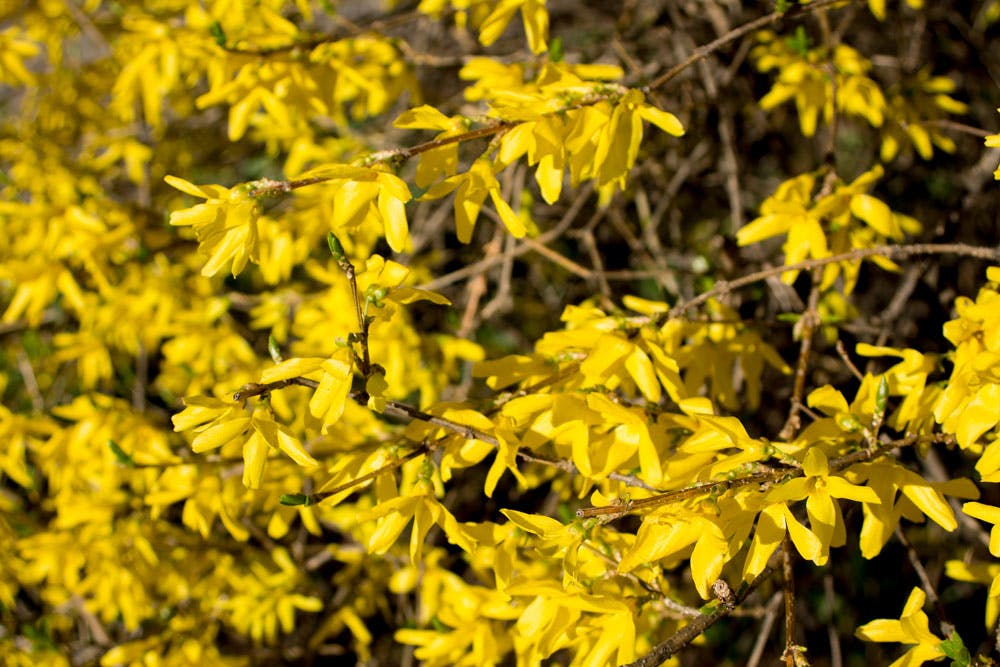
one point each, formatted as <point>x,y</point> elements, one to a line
<point>218,423</point>
<point>818,488</point>
<point>989,514</point>
<point>911,628</point>
<point>441,161</point>
<point>471,189</point>
<point>982,573</point>
<point>618,144</point>
<point>425,511</point>
<point>533,14</point>
<point>226,224</point>
<point>14,50</point>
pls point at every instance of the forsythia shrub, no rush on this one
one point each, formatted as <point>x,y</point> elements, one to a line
<point>372,332</point>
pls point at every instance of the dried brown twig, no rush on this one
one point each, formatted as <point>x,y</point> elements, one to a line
<point>745,29</point>
<point>724,287</point>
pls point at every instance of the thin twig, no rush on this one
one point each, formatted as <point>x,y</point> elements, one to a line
<point>947,627</point>
<point>587,236</point>
<point>561,260</point>
<point>770,616</point>
<point>836,657</point>
<point>476,287</point>
<point>405,410</point>
<point>94,625</point>
<point>697,626</point>
<point>309,42</point>
<point>396,155</point>
<point>357,481</point>
<point>888,251</point>
<point>610,512</point>
<point>251,389</point>
<point>808,323</point>
<point>680,610</point>
<point>30,381</point>
<point>768,476</point>
<point>484,264</point>
<point>791,652</point>
<point>103,49</point>
<point>900,301</point>
<point>736,33</point>
<point>842,351</point>
<point>569,467</point>
<point>958,127</point>
<point>269,188</point>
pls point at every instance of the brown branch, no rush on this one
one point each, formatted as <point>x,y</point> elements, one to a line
<point>405,410</point>
<point>50,316</point>
<point>364,324</point>
<point>295,49</point>
<point>836,655</point>
<point>476,287</point>
<point>653,588</point>
<point>251,389</point>
<point>808,322</point>
<point>184,462</point>
<point>842,352</point>
<point>611,512</point>
<point>397,155</point>
<point>697,626</point>
<point>317,497</point>
<point>551,235</point>
<point>958,127</point>
<point>569,467</point>
<point>792,650</point>
<point>770,615</point>
<point>734,34</point>
<point>556,258</point>
<point>766,476</point>
<point>268,187</point>
<point>887,251</point>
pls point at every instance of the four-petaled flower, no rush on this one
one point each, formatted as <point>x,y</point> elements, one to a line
<point>226,224</point>
<point>471,188</point>
<point>826,522</point>
<point>911,628</point>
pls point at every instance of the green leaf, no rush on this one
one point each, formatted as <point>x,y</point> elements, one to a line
<point>799,42</point>
<point>291,499</point>
<point>336,249</point>
<point>273,349</point>
<point>882,396</point>
<point>218,33</point>
<point>556,50</point>
<point>120,455</point>
<point>954,648</point>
